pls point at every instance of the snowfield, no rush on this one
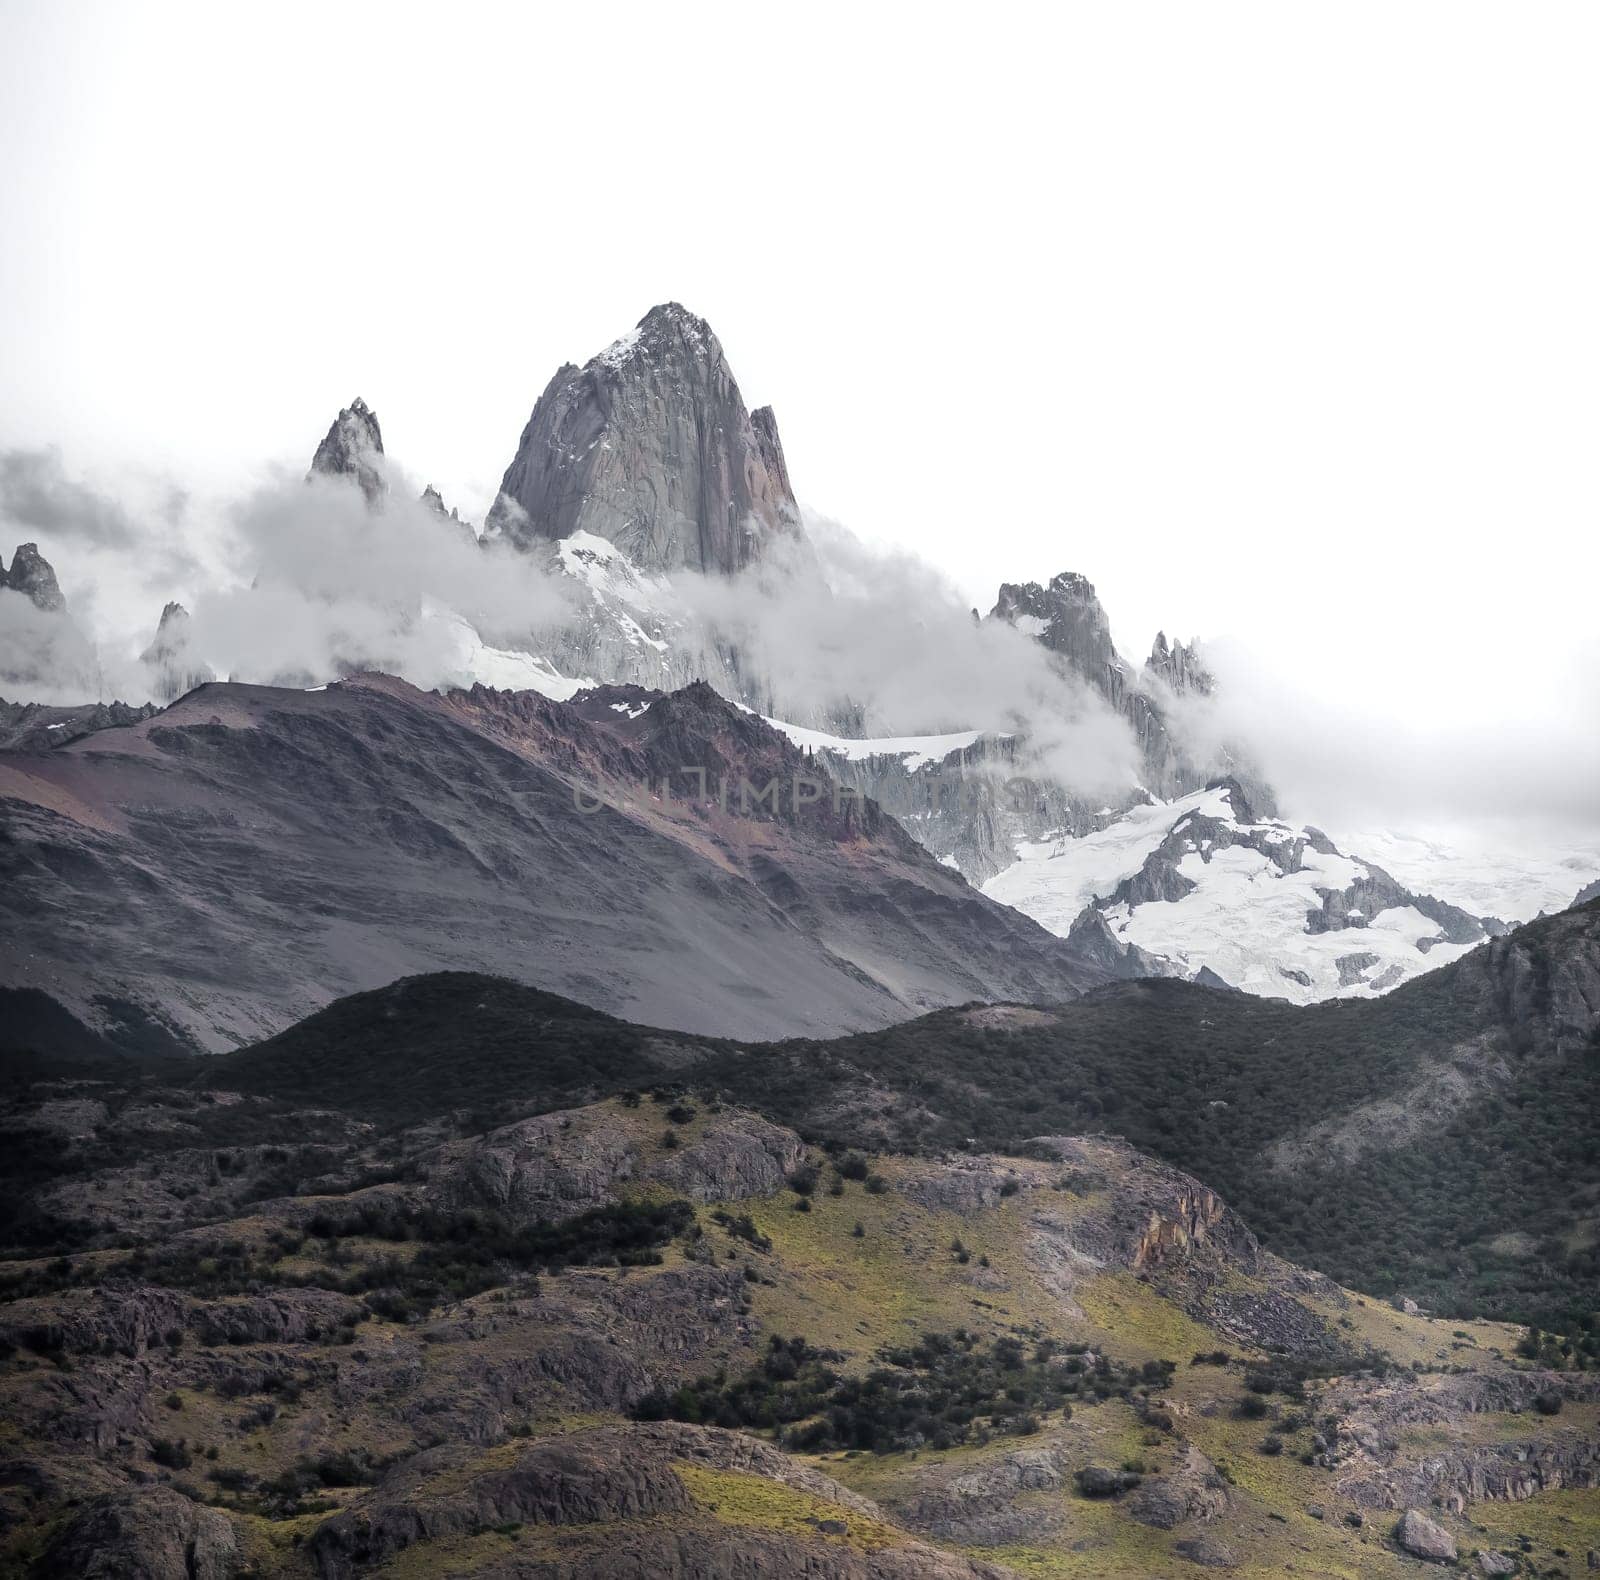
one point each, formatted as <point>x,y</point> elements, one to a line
<point>1246,918</point>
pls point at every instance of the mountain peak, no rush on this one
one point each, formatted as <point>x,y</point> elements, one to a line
<point>31,574</point>
<point>1067,618</point>
<point>175,669</point>
<point>666,332</point>
<point>353,447</point>
<point>650,446</point>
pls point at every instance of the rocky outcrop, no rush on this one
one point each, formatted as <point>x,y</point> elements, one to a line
<point>1208,1551</point>
<point>290,1316</point>
<point>129,1318</point>
<point>559,1164</point>
<point>539,1169</point>
<point>32,576</point>
<point>979,1506</point>
<point>40,727</point>
<point>649,446</point>
<point>1192,1489</point>
<point>737,1156</point>
<point>153,1533</point>
<point>175,668</point>
<point>600,1478</point>
<point>353,448</point>
<point>1156,1219</point>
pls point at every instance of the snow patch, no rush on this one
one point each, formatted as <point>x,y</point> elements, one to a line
<point>917,750</point>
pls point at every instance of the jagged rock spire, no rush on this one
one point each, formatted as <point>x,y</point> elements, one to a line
<point>1180,666</point>
<point>31,574</point>
<point>650,446</point>
<point>175,669</point>
<point>353,447</point>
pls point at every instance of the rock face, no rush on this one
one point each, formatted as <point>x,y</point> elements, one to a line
<point>176,669</point>
<point>1179,665</point>
<point>32,576</point>
<point>152,1534</point>
<point>1423,1538</point>
<point>649,445</point>
<point>353,447</point>
<point>1067,618</point>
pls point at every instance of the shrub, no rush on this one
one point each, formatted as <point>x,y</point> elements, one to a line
<point>169,1454</point>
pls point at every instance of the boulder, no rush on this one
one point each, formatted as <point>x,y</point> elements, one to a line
<point>1424,1538</point>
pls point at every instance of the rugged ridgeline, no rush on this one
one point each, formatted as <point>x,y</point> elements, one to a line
<point>405,1291</point>
<point>214,872</point>
<point>649,446</point>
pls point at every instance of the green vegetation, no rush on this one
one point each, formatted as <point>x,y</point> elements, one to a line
<point>942,1391</point>
<point>452,1040</point>
<point>453,1255</point>
<point>1492,1214</point>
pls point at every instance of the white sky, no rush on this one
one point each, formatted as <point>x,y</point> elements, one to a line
<point>1281,323</point>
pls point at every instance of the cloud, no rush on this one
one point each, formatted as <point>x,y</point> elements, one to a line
<point>38,499</point>
<point>330,586</point>
<point>1395,756</point>
<point>297,582</point>
<point>44,656</point>
<point>883,644</point>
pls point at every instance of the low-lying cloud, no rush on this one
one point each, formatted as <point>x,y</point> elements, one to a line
<point>298,582</point>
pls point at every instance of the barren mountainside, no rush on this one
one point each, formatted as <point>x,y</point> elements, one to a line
<point>228,865</point>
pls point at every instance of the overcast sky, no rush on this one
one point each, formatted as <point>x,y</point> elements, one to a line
<point>1280,323</point>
